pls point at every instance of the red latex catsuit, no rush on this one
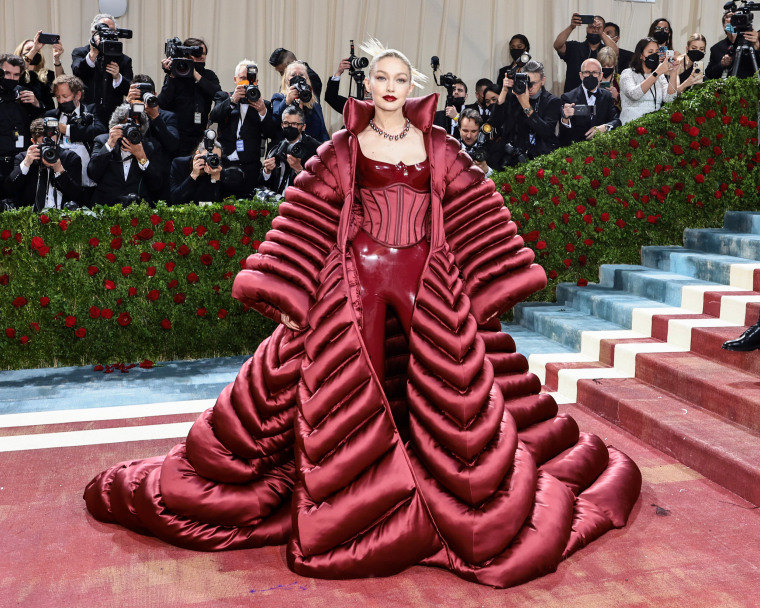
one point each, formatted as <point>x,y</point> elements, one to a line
<point>449,456</point>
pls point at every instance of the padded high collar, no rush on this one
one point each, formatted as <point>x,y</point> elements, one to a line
<point>419,110</point>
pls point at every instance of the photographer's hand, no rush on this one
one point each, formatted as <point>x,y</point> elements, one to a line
<point>28,97</point>
<point>114,135</point>
<point>214,174</point>
<point>134,94</point>
<point>269,164</point>
<point>726,61</point>
<point>451,112</point>
<point>166,66</point>
<point>152,113</point>
<point>135,150</point>
<point>523,98</point>
<point>37,45</point>
<point>591,133</point>
<point>113,69</point>
<point>344,65</point>
<point>752,38</point>
<point>295,163</point>
<point>199,165</point>
<point>238,93</point>
<point>258,106</point>
<point>576,20</point>
<point>94,52</point>
<point>568,110</point>
<point>57,166</point>
<point>292,95</point>
<point>32,154</point>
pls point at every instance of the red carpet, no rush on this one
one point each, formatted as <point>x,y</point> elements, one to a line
<point>689,542</point>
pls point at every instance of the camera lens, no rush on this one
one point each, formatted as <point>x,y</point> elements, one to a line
<point>252,93</point>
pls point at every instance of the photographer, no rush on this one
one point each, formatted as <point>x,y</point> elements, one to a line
<point>162,133</point>
<point>723,53</point>
<point>46,175</point>
<point>77,124</point>
<point>691,70</point>
<point>527,113</point>
<point>650,81</point>
<point>483,100</point>
<point>244,119</point>
<point>122,168</point>
<point>573,53</point>
<point>600,114</point>
<point>192,179</point>
<point>482,151</point>
<point>106,78</point>
<point>519,52</point>
<point>296,88</point>
<point>189,97</point>
<point>448,118</point>
<point>281,168</point>
<point>17,110</point>
<point>282,58</point>
<point>36,76</point>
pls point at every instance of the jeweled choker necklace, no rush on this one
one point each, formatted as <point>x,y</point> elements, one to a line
<point>379,131</point>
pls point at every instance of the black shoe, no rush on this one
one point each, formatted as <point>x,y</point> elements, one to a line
<point>749,340</point>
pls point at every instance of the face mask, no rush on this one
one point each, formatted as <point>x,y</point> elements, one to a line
<point>661,37</point>
<point>291,133</point>
<point>67,107</point>
<point>652,61</point>
<point>695,55</point>
<point>458,103</point>
<point>536,96</point>
<point>590,83</point>
<point>593,38</point>
<point>36,59</point>
<point>730,29</point>
<point>607,72</point>
<point>516,53</point>
<point>7,85</point>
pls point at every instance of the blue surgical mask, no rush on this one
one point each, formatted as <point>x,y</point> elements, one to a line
<point>730,29</point>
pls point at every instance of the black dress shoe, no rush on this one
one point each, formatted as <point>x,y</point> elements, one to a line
<point>749,340</point>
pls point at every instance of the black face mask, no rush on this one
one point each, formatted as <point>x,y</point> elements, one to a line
<point>652,61</point>
<point>36,59</point>
<point>458,103</point>
<point>516,53</point>
<point>661,37</point>
<point>200,66</point>
<point>7,85</point>
<point>695,55</point>
<point>67,107</point>
<point>291,133</point>
<point>608,72</point>
<point>590,83</point>
<point>593,38</point>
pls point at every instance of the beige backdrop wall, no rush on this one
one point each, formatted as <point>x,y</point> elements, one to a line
<point>469,36</point>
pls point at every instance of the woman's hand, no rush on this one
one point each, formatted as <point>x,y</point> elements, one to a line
<point>288,322</point>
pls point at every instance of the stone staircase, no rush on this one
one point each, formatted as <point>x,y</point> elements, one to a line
<point>642,348</point>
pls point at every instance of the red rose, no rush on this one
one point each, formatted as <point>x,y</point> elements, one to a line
<point>34,326</point>
<point>541,245</point>
<point>179,298</point>
<point>246,240</point>
<point>676,117</point>
<point>216,289</point>
<point>44,301</point>
<point>126,270</point>
<point>44,219</point>
<point>206,259</point>
<point>565,218</point>
<point>145,256</point>
<point>72,255</point>
<point>108,284</point>
<point>699,178</point>
<point>146,364</point>
<point>201,230</point>
<point>214,244</point>
<point>726,120</point>
<point>588,242</point>
<point>80,332</point>
<point>166,324</point>
<point>201,312</point>
<point>169,266</point>
<point>641,130</point>
<point>39,246</point>
<point>582,282</point>
<point>620,223</point>
<point>5,235</point>
<point>224,229</point>
<point>4,279</point>
<point>187,230</point>
<point>172,284</point>
<point>124,319</point>
<point>645,172</point>
<point>169,226</point>
<point>145,234</point>
<point>153,295</point>
<point>216,217</point>
<point>611,190</point>
<point>652,219</point>
<point>19,302</point>
<point>23,339</point>
<point>264,212</point>
<point>155,219</point>
<point>633,143</point>
<point>229,208</point>
<point>10,333</point>
<point>228,275</point>
<point>111,257</point>
<point>588,219</point>
<point>94,312</point>
<point>116,230</point>
<point>532,190</point>
<point>222,313</point>
<point>158,246</point>
<point>571,195</point>
<point>116,243</point>
<point>107,313</point>
<point>230,251</point>
<point>693,131</point>
<point>58,267</point>
<point>133,222</point>
<point>192,278</point>
<point>739,192</point>
<point>183,250</point>
<point>257,244</point>
<point>70,321</point>
<point>94,242</point>
<point>569,247</point>
<point>531,236</point>
<point>605,217</point>
<point>552,274</point>
<point>540,174</point>
<point>580,208</point>
<point>132,291</point>
<point>151,271</point>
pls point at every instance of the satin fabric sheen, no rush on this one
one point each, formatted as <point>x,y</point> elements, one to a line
<point>444,453</point>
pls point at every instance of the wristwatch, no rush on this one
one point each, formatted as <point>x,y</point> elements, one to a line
<point>142,161</point>
<point>528,111</point>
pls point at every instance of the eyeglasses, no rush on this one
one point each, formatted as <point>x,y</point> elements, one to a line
<point>587,73</point>
<point>663,28</point>
<point>285,123</point>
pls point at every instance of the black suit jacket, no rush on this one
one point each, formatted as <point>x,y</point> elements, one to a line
<point>184,189</point>
<point>446,123</point>
<point>85,134</point>
<point>333,98</point>
<point>107,169</point>
<point>283,175</point>
<point>23,188</point>
<point>606,114</point>
<point>534,134</point>
<point>94,79</point>
<point>227,116</point>
<point>714,70</point>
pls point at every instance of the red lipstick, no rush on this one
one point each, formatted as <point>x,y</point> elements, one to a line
<point>389,98</point>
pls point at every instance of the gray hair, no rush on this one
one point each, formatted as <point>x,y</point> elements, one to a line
<point>293,109</point>
<point>120,114</point>
<point>98,18</point>
<point>534,67</point>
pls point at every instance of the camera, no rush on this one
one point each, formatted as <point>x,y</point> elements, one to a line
<point>478,153</point>
<point>48,148</point>
<point>252,92</point>
<point>447,80</point>
<point>521,61</point>
<point>514,155</point>
<point>182,64</point>
<point>148,96</point>
<point>131,129</point>
<point>742,18</point>
<point>356,67</point>
<point>297,149</point>
<point>109,45</point>
<point>521,83</point>
<point>212,158</point>
<point>302,88</point>
<point>83,120</point>
<point>356,63</point>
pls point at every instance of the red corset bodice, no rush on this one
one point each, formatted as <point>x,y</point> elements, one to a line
<point>395,200</point>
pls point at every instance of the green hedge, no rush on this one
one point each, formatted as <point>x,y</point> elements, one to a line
<point>599,202</point>
<point>127,284</point>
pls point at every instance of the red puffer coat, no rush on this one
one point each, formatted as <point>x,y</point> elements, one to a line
<point>476,473</point>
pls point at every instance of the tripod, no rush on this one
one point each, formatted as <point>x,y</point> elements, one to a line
<point>741,49</point>
<point>358,77</point>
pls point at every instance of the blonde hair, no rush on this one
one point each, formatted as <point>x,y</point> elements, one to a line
<point>42,73</point>
<point>607,55</point>
<point>694,37</point>
<point>374,47</point>
<point>285,83</point>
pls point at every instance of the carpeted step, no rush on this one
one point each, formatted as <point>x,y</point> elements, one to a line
<point>726,242</point>
<point>742,221</point>
<point>707,341</point>
<point>726,453</point>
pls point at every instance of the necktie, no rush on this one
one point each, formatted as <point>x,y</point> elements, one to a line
<point>42,188</point>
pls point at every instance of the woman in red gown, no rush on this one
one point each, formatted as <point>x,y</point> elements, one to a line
<point>387,422</point>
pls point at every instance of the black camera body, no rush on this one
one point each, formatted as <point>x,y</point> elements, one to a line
<point>297,149</point>
<point>302,88</point>
<point>212,159</point>
<point>9,92</point>
<point>148,95</point>
<point>356,67</point>
<point>520,83</point>
<point>514,155</point>
<point>742,18</point>
<point>131,129</point>
<point>252,92</point>
<point>181,56</point>
<point>49,148</point>
<point>512,72</point>
<point>109,46</point>
<point>478,153</point>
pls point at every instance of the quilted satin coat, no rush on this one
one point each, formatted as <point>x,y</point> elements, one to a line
<point>455,461</point>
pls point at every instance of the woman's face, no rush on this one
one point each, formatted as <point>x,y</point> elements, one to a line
<point>297,70</point>
<point>696,45</point>
<point>516,44</point>
<point>390,83</point>
<point>650,49</point>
